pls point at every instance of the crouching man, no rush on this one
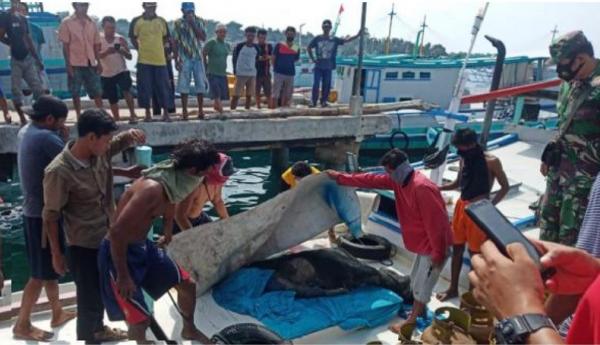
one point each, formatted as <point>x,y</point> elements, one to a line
<point>423,219</point>
<point>129,262</point>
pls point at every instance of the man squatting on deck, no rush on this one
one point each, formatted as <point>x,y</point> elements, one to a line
<point>422,215</point>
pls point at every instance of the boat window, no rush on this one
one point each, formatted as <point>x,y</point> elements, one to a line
<point>404,99</point>
<point>425,75</point>
<point>389,99</point>
<point>391,75</point>
<point>408,75</point>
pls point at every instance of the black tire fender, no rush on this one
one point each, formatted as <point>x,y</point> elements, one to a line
<point>247,333</point>
<point>368,247</point>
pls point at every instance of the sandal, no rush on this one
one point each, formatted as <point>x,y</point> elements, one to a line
<point>110,335</point>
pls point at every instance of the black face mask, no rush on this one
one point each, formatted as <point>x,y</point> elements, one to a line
<point>565,71</point>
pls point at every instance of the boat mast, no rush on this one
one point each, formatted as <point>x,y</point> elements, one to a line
<point>444,140</point>
<point>418,48</point>
<point>423,26</point>
<point>554,32</point>
<point>388,42</point>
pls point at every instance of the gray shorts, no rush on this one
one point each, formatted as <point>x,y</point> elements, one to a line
<point>244,82</point>
<point>25,70</point>
<point>423,278</point>
<point>283,87</point>
<point>87,77</point>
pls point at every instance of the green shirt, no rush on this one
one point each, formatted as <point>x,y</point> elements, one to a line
<point>216,56</point>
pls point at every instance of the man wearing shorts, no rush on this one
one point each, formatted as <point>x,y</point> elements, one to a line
<point>263,67</point>
<point>130,263</point>
<point>245,57</point>
<point>285,56</point>
<point>215,54</point>
<point>188,36</point>
<point>38,143</point>
<point>476,177</point>
<point>115,75</point>
<point>81,48</point>
<point>423,218</point>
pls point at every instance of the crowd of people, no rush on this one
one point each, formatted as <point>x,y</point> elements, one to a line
<point>72,224</point>
<point>95,60</point>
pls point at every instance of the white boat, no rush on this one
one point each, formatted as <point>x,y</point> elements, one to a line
<point>519,154</point>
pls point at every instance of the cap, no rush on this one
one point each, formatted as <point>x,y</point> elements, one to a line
<point>188,6</point>
<point>568,45</point>
<point>149,4</point>
<point>47,105</point>
<point>327,21</point>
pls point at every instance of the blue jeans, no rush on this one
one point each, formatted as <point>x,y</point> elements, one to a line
<point>325,76</point>
<point>153,79</point>
<point>191,68</point>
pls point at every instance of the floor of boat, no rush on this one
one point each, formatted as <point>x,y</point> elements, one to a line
<point>211,318</point>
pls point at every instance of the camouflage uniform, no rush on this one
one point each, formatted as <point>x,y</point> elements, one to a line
<point>569,184</point>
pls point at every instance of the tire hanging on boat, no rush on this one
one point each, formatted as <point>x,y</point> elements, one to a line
<point>393,140</point>
<point>368,247</point>
<point>247,333</point>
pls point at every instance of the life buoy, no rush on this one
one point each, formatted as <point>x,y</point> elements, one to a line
<point>368,247</point>
<point>247,333</point>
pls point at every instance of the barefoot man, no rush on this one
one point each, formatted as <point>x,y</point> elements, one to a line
<point>129,262</point>
<point>423,218</point>
<point>478,172</point>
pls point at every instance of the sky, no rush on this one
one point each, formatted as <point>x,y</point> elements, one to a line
<point>524,26</point>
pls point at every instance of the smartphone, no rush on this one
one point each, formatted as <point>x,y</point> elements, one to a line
<point>502,232</point>
<point>117,46</point>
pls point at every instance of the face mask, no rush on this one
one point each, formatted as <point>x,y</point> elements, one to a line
<point>565,71</point>
<point>401,173</point>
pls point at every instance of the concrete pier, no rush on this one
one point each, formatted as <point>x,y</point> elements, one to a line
<point>244,134</point>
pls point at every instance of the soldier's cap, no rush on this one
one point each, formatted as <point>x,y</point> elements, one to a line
<point>149,4</point>
<point>568,46</point>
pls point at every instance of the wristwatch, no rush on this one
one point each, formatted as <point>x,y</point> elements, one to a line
<point>515,330</point>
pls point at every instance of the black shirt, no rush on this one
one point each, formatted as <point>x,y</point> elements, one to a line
<point>17,29</point>
<point>263,68</point>
<point>474,180</point>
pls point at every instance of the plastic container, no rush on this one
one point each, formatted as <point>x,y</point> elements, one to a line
<point>143,156</point>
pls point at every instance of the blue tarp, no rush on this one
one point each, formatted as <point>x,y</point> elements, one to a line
<point>292,318</point>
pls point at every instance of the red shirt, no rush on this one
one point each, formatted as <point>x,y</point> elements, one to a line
<point>585,328</point>
<point>421,211</point>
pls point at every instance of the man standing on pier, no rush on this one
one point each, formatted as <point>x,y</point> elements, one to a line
<point>131,263</point>
<point>188,35</point>
<point>285,56</point>
<point>215,54</point>
<point>245,57</point>
<point>326,52</point>
<point>78,188</point>
<point>81,48</point>
<point>149,34</point>
<point>263,67</point>
<point>422,215</point>
<point>25,62</point>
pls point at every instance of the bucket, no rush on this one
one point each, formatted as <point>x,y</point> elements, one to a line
<point>143,156</point>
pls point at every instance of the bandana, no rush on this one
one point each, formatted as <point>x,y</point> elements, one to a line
<point>177,183</point>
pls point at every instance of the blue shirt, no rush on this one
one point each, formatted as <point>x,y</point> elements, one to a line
<point>37,147</point>
<point>285,59</point>
<point>326,50</point>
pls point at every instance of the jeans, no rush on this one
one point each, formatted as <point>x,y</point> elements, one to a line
<point>192,68</point>
<point>325,76</point>
<point>153,79</point>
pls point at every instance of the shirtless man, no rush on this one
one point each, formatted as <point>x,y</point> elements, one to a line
<point>129,262</point>
<point>477,174</point>
<point>190,213</point>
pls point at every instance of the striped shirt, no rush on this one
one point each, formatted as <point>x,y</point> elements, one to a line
<point>589,235</point>
<point>188,44</point>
